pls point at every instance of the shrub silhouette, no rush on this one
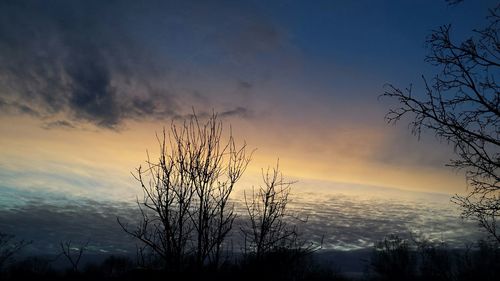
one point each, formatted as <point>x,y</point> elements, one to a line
<point>392,259</point>
<point>398,259</point>
<point>481,263</point>
<point>32,268</point>
<point>435,261</point>
<point>111,267</point>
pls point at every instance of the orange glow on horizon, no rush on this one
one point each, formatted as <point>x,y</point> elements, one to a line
<point>115,154</point>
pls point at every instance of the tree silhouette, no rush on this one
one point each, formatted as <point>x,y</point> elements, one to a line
<point>392,259</point>
<point>9,247</point>
<point>273,247</point>
<point>73,253</point>
<point>461,105</point>
<point>267,210</point>
<point>186,212</point>
<point>434,259</point>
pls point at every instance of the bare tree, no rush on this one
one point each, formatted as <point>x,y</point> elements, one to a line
<point>73,253</point>
<point>186,211</point>
<point>268,215</point>
<point>9,247</point>
<point>461,105</point>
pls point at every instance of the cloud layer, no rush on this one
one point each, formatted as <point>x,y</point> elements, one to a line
<point>343,220</point>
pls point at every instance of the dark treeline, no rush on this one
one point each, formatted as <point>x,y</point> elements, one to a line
<point>420,259</point>
<point>393,258</point>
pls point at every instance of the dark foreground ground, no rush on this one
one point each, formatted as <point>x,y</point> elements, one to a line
<point>390,259</point>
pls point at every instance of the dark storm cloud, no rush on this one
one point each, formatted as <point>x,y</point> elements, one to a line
<point>61,57</point>
<point>95,61</point>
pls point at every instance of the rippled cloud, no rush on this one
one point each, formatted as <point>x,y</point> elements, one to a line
<point>343,221</point>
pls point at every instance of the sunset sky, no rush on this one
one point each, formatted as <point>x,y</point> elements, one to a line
<point>84,86</point>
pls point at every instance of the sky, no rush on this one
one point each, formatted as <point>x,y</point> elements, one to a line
<point>85,85</point>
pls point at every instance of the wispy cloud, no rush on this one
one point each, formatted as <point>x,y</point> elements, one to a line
<point>239,112</point>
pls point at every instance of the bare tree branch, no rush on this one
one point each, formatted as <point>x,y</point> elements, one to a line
<point>9,247</point>
<point>186,209</point>
<point>269,227</point>
<point>73,254</point>
<point>461,105</point>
